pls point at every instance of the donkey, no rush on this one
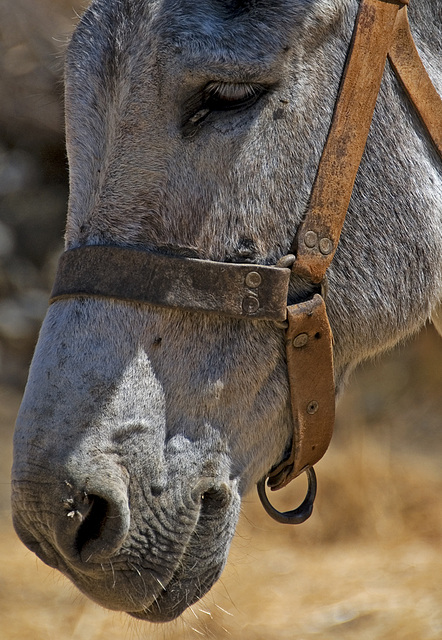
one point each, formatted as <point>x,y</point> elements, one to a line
<point>194,129</point>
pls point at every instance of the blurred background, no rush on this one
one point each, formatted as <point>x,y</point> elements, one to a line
<point>367,565</point>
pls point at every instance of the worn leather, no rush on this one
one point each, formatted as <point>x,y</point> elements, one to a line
<point>238,290</point>
<point>318,236</point>
<point>381,27</point>
<point>312,390</point>
<point>408,67</point>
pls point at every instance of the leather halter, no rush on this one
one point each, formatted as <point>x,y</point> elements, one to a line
<point>260,292</point>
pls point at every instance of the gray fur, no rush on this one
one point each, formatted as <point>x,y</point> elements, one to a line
<point>152,409</point>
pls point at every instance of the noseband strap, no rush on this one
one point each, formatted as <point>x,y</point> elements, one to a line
<point>260,292</point>
<point>252,291</point>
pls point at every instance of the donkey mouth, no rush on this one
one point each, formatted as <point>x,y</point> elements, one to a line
<point>201,564</point>
<point>167,596</point>
<point>154,582</point>
<point>180,594</point>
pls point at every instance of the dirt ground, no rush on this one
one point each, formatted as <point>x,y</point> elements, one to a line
<point>366,566</point>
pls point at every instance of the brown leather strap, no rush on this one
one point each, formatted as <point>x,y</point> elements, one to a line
<point>312,390</point>
<point>318,236</point>
<point>382,26</point>
<point>310,368</point>
<point>239,290</point>
<point>408,66</point>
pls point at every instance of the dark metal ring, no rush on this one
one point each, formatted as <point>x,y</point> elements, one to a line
<point>296,516</point>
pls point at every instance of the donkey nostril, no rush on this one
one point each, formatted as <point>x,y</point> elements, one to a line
<point>93,523</point>
<point>215,499</point>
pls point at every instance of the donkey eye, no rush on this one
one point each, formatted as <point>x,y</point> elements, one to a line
<point>216,97</point>
<point>222,96</point>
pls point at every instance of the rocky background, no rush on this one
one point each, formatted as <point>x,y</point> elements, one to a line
<point>366,566</point>
<point>33,169</point>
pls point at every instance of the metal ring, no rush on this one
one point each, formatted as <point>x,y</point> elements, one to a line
<point>296,516</point>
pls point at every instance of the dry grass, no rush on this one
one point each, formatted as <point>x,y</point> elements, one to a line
<point>366,566</point>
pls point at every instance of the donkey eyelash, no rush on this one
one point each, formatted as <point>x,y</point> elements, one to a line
<point>231,92</point>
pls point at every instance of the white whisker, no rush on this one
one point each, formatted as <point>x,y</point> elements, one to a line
<point>193,611</point>
<point>200,633</point>
<point>224,611</point>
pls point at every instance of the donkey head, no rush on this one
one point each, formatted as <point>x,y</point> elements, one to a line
<point>193,129</point>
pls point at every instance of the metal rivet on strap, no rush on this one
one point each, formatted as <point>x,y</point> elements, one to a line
<point>253,279</point>
<point>312,407</point>
<point>250,305</point>
<point>300,340</point>
<point>311,239</point>
<point>325,246</point>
